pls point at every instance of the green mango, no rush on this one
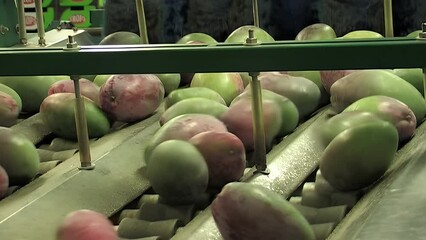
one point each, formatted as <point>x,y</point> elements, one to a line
<point>251,212</point>
<point>412,75</point>
<point>359,156</point>
<point>32,89</point>
<point>366,83</point>
<point>121,38</point>
<point>197,37</point>
<point>193,105</point>
<point>240,35</point>
<point>246,78</point>
<point>317,31</point>
<point>13,94</point>
<point>315,77</point>
<point>361,34</point>
<point>19,157</point>
<point>414,34</point>
<point>171,81</point>
<point>188,167</point>
<point>185,93</point>
<point>58,113</point>
<point>89,77</point>
<point>101,79</point>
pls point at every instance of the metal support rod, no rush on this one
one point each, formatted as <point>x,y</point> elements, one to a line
<point>21,22</point>
<point>143,32</point>
<point>258,126</point>
<point>40,22</point>
<point>388,18</point>
<point>81,126</point>
<point>256,13</point>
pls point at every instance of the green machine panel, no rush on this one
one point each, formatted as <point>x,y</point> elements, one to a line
<point>8,23</point>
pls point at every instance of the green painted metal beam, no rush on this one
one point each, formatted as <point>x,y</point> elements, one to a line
<point>283,55</point>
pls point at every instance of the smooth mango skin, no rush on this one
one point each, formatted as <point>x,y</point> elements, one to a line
<point>414,34</point>
<point>412,75</point>
<point>101,79</point>
<point>252,212</point>
<point>171,81</point>
<point>183,127</point>
<point>9,110</point>
<point>391,110</point>
<point>193,105</point>
<point>359,156</point>
<point>13,94</point>
<point>58,113</point>
<point>336,124</point>
<point>121,38</point>
<point>315,77</point>
<point>197,37</point>
<point>228,85</point>
<point>316,31</point>
<point>361,34</point>
<point>240,35</point>
<point>289,111</point>
<point>32,89</point>
<point>366,83</point>
<point>302,92</point>
<point>186,93</point>
<point>19,157</point>
<point>178,172</point>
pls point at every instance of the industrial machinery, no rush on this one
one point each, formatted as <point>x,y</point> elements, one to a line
<point>112,179</point>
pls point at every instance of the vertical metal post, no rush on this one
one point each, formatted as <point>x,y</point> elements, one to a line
<point>256,13</point>
<point>80,118</point>
<point>143,32</point>
<point>388,18</point>
<point>258,126</point>
<point>40,22</point>
<point>21,22</point>
<point>422,37</point>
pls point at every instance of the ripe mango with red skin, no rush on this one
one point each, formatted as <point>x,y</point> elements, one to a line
<point>224,154</point>
<point>239,121</point>
<point>9,110</point>
<point>131,97</point>
<point>86,225</point>
<point>183,127</point>
<point>391,110</point>
<point>252,212</point>
<point>87,88</point>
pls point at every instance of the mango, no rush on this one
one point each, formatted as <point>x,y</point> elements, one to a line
<point>228,85</point>
<point>315,77</point>
<point>366,83</point>
<point>19,157</point>
<point>13,94</point>
<point>87,88</point>
<point>197,37</point>
<point>361,34</point>
<point>58,113</point>
<point>316,31</point>
<point>32,89</point>
<point>4,182</point>
<point>414,34</point>
<point>193,105</point>
<point>177,172</point>
<point>359,156</point>
<point>246,78</point>
<point>336,124</point>
<point>9,110</point>
<point>224,154</point>
<point>121,38</point>
<point>240,35</point>
<point>183,127</point>
<point>289,112</point>
<point>302,92</point>
<point>251,212</point>
<point>329,77</point>
<point>101,79</point>
<point>391,110</point>
<point>412,75</point>
<point>185,93</point>
<point>239,121</point>
<point>171,81</point>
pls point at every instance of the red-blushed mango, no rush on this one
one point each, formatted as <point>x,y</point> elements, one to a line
<point>9,110</point>
<point>329,77</point>
<point>131,97</point>
<point>12,93</point>
<point>224,154</point>
<point>86,225</point>
<point>177,172</point>
<point>252,212</point>
<point>316,31</point>
<point>87,88</point>
<point>391,110</point>
<point>183,127</point>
